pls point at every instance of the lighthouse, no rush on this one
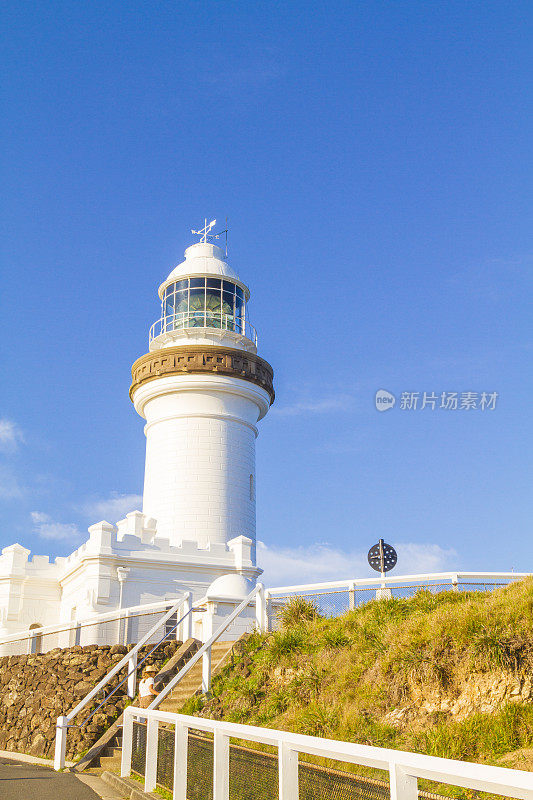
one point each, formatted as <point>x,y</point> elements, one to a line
<point>202,390</point>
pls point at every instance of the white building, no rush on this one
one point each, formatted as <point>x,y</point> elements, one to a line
<point>201,388</point>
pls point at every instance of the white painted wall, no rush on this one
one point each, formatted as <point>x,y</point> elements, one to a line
<point>200,454</point>
<point>37,591</point>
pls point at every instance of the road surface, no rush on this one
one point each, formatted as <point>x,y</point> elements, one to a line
<point>22,781</point>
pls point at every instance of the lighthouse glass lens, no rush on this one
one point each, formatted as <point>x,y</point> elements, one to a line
<point>204,302</point>
<point>196,307</point>
<point>239,314</point>
<point>227,310</point>
<point>213,308</point>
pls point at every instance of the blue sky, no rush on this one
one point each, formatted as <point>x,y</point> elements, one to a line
<point>374,161</point>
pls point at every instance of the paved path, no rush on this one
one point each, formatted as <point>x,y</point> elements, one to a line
<point>22,781</point>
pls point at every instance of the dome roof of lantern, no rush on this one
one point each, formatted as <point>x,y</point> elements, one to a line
<point>230,587</point>
<point>203,258</point>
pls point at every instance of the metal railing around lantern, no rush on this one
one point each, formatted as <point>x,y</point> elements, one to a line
<point>186,320</point>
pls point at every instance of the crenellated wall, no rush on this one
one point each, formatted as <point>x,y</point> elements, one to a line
<point>37,592</point>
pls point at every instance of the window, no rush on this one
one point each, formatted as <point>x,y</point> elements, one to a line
<point>203,303</point>
<point>252,488</point>
<point>37,638</point>
<point>170,624</point>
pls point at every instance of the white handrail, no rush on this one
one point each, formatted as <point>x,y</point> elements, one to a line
<point>63,721</point>
<point>179,321</point>
<point>404,768</point>
<point>206,649</point>
<point>371,582</point>
<point>94,619</point>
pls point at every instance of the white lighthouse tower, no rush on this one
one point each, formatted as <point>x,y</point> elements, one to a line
<point>202,388</point>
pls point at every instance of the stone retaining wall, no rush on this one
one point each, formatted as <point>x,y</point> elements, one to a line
<point>36,689</point>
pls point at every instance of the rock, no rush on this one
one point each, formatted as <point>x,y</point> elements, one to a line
<point>38,745</point>
<point>118,649</point>
<point>82,688</point>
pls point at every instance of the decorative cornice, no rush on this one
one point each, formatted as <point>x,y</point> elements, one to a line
<point>200,359</point>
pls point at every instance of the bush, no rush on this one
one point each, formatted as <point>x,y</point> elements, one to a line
<point>296,611</point>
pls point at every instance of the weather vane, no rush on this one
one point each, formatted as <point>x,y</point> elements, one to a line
<point>205,232</point>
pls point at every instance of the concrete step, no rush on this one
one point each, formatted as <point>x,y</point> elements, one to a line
<point>110,758</point>
<point>192,681</point>
<point>111,751</point>
<point>110,762</point>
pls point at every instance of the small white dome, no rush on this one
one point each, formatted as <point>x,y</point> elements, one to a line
<point>202,258</point>
<point>230,587</point>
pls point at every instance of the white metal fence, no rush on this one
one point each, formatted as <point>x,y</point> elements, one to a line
<point>142,747</point>
<point>126,626</point>
<point>180,615</point>
<point>129,662</point>
<point>333,598</point>
<point>268,603</point>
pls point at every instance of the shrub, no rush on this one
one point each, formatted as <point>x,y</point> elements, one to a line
<point>285,641</point>
<point>296,611</point>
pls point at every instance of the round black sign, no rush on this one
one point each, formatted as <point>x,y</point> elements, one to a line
<point>382,557</point>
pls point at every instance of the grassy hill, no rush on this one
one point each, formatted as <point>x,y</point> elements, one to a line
<point>446,674</point>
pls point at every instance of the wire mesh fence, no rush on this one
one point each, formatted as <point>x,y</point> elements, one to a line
<point>253,774</point>
<point>138,752</point>
<point>126,628</point>
<point>334,602</point>
<point>200,766</point>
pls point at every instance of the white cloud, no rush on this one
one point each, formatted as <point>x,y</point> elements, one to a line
<point>338,402</point>
<point>322,562</point>
<point>46,528</point>
<point>425,557</point>
<point>112,508</point>
<point>38,517</point>
<point>10,435</point>
<point>10,488</point>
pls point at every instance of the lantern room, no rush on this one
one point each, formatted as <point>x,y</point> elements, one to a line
<point>203,301</point>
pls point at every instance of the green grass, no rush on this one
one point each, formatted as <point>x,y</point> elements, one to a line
<point>338,677</point>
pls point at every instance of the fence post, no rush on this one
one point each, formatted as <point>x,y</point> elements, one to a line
<point>206,671</point>
<point>61,743</point>
<point>71,635</point>
<point>288,772</point>
<point>207,632</point>
<point>260,608</point>
<point>402,785</point>
<point>127,743</point>
<point>177,632</point>
<point>125,627</point>
<point>187,622</point>
<point>221,766</point>
<point>455,583</point>
<point>351,595</point>
<point>150,769</point>
<point>31,644</point>
<point>132,676</point>
<point>181,743</point>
